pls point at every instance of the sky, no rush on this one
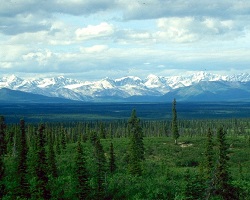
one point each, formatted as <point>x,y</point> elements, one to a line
<point>94,39</point>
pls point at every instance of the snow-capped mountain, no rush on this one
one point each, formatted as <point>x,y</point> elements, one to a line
<point>125,87</point>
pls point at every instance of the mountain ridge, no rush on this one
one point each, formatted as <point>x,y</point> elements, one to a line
<point>131,87</point>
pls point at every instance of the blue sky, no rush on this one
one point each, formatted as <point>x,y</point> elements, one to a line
<point>89,40</point>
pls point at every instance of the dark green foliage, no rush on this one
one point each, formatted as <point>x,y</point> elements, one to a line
<point>58,146</point>
<point>2,174</point>
<point>209,154</point>
<point>100,162</point>
<point>82,184</point>
<point>93,137</point>
<point>175,130</point>
<point>41,167</point>
<point>22,190</point>
<point>164,164</point>
<point>195,188</point>
<point>63,139</point>
<point>102,131</point>
<point>112,165</point>
<point>3,145</point>
<point>52,169</point>
<point>209,162</point>
<point>136,146</point>
<point>2,152</point>
<point>223,187</point>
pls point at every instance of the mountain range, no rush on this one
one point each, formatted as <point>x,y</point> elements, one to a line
<point>200,86</point>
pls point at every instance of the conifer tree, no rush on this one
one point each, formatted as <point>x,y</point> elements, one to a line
<point>102,131</point>
<point>22,152</point>
<point>58,147</point>
<point>52,169</point>
<point>2,152</point>
<point>41,167</point>
<point>82,185</point>
<point>175,130</point>
<point>112,165</point>
<point>3,145</point>
<point>194,189</point>
<point>209,162</point>
<point>100,164</point>
<point>223,188</point>
<point>63,139</point>
<point>136,146</point>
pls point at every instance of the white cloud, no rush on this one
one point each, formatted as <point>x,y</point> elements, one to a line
<point>95,31</point>
<point>94,49</point>
<point>5,65</point>
<point>190,29</point>
<point>42,57</point>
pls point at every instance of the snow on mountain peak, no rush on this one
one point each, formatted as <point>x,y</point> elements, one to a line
<point>128,80</point>
<point>122,87</point>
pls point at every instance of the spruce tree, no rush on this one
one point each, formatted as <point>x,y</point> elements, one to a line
<point>2,174</point>
<point>63,139</point>
<point>100,164</point>
<point>223,188</point>
<point>194,188</point>
<point>22,153</point>
<point>41,167</point>
<point>82,185</point>
<point>52,169</point>
<point>102,131</point>
<point>136,146</point>
<point>3,145</point>
<point>58,146</point>
<point>175,130</point>
<point>209,162</point>
<point>112,165</point>
<point>2,152</point>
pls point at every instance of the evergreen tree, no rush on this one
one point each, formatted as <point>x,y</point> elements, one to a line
<point>209,162</point>
<point>175,130</point>
<point>2,152</point>
<point>41,167</point>
<point>223,188</point>
<point>102,131</point>
<point>58,147</point>
<point>22,152</point>
<point>112,165</point>
<point>82,187</point>
<point>52,169</point>
<point>100,165</point>
<point>136,146</point>
<point>63,139</point>
<point>194,189</point>
<point>3,145</point>
<point>2,174</point>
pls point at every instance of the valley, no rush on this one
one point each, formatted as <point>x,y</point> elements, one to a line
<point>53,112</point>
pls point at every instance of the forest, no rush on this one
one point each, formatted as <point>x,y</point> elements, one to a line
<point>181,159</point>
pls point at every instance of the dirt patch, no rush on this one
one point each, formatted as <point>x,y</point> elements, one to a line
<point>184,145</point>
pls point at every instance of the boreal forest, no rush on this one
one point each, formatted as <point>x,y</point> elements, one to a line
<point>181,159</point>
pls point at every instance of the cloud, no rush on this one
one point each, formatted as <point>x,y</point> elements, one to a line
<point>102,37</point>
<point>72,7</point>
<point>94,49</point>
<point>142,10</point>
<point>95,31</point>
<point>23,23</point>
<point>190,29</point>
<point>42,57</point>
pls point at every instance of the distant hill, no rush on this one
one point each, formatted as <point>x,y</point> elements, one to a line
<point>13,96</point>
<point>211,91</point>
